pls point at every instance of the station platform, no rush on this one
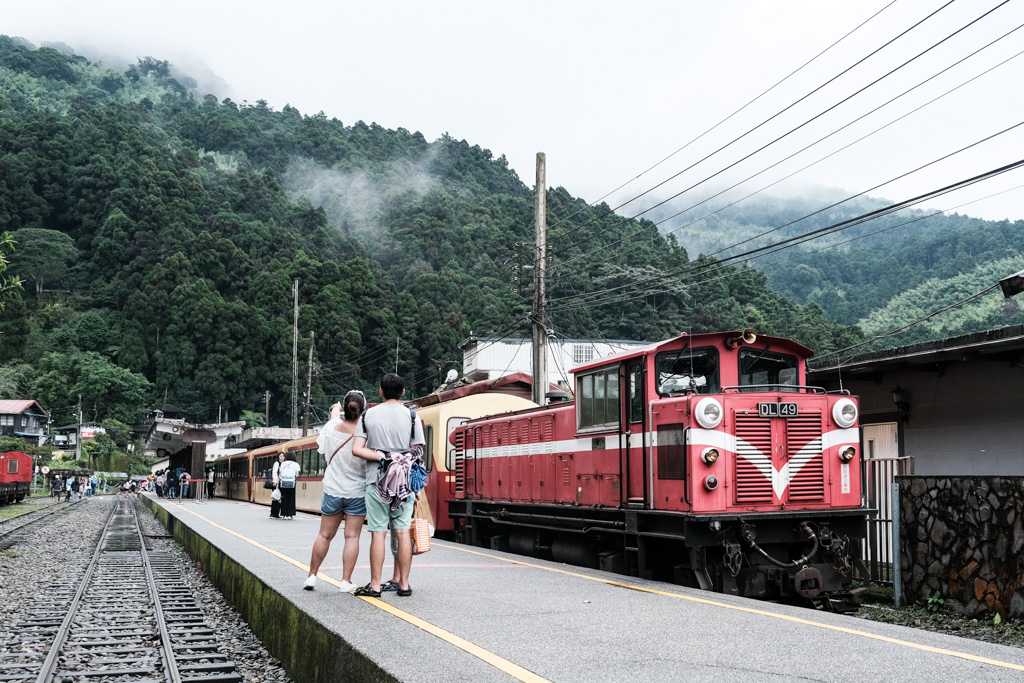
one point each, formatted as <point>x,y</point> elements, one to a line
<point>482,615</point>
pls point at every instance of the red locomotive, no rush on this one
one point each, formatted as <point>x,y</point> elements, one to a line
<point>15,476</point>
<point>703,460</point>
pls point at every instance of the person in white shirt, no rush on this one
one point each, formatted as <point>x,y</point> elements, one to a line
<point>288,474</point>
<point>344,481</point>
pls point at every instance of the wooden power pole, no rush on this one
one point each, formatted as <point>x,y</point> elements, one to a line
<point>295,358</point>
<point>540,334</point>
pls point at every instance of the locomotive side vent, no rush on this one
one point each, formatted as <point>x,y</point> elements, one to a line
<point>460,460</point>
<point>753,459</point>
<point>671,452</point>
<point>806,466</point>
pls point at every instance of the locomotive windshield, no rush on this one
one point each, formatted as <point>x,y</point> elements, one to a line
<point>693,370</point>
<point>764,367</point>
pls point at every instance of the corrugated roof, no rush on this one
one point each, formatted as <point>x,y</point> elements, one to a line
<point>18,406</point>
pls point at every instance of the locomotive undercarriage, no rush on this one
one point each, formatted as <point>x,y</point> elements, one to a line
<point>800,555</point>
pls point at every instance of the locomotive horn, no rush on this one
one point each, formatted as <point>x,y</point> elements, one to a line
<point>747,337</point>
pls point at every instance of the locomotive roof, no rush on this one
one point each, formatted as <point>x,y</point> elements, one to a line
<point>704,339</point>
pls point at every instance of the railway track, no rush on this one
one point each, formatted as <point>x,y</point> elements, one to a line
<point>12,529</point>
<point>129,617</point>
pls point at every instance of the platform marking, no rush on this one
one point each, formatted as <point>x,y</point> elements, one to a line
<point>497,661</point>
<point>750,610</point>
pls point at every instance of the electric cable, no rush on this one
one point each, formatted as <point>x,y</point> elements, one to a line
<point>787,108</point>
<point>712,128</point>
<point>804,168</point>
<point>835,227</point>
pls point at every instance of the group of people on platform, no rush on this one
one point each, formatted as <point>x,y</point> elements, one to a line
<point>370,456</point>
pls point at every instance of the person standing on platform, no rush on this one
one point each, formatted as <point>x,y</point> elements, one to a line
<point>275,477</point>
<point>344,484</point>
<point>289,471</point>
<point>389,432</point>
<point>172,483</point>
<point>209,483</point>
<point>184,485</point>
<point>161,482</point>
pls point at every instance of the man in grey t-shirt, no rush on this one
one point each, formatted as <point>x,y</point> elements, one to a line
<point>392,427</point>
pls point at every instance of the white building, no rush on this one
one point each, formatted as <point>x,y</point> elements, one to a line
<point>499,357</point>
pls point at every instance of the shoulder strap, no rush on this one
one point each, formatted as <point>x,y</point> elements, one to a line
<point>412,426</point>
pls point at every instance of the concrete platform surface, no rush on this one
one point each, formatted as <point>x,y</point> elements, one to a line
<point>482,615</point>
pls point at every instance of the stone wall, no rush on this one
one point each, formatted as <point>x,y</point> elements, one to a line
<point>963,537</point>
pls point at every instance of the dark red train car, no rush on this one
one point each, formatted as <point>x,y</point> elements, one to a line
<point>15,476</point>
<point>703,460</point>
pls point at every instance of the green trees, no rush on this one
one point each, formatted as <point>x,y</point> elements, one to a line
<point>10,286</point>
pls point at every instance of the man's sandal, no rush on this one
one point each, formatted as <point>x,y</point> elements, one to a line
<point>366,591</point>
<point>405,592</point>
<point>391,585</point>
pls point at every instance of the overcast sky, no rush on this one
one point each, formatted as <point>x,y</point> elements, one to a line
<point>608,89</point>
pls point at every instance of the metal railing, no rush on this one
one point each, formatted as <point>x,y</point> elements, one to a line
<point>877,552</point>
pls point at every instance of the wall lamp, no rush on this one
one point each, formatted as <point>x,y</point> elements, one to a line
<point>899,399</point>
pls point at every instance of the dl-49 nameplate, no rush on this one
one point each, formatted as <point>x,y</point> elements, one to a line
<point>777,409</point>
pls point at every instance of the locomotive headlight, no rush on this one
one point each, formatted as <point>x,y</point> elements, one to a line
<point>847,454</point>
<point>711,482</point>
<point>708,413</point>
<point>709,456</point>
<point>844,412</point>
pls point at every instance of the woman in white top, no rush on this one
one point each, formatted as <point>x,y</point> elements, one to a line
<point>344,487</point>
<point>275,477</point>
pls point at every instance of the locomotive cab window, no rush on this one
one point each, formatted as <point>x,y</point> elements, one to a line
<point>597,398</point>
<point>693,370</point>
<point>764,367</point>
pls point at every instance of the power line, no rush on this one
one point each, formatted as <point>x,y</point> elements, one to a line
<point>778,83</point>
<point>835,227</point>
<point>804,168</point>
<point>779,113</point>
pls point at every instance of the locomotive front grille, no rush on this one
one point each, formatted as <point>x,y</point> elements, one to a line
<point>806,466</point>
<point>753,473</point>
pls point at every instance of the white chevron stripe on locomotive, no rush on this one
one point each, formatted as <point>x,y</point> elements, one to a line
<point>780,478</point>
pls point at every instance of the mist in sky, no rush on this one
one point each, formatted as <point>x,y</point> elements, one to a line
<point>609,89</point>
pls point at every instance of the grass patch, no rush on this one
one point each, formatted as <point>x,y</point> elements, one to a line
<point>10,553</point>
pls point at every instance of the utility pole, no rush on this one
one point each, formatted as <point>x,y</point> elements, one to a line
<point>295,358</point>
<point>540,334</point>
<point>266,408</point>
<point>309,387</point>
<point>397,339</point>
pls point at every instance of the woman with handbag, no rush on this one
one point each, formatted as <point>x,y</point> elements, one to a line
<point>344,484</point>
<point>288,471</point>
<point>275,479</point>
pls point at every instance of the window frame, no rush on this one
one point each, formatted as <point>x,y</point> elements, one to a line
<point>766,354</point>
<point>587,399</point>
<point>711,352</point>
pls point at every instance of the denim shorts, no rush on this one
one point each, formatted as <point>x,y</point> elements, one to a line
<point>331,505</point>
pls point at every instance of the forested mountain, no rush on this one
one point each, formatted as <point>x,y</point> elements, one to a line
<point>881,274</point>
<point>159,230</point>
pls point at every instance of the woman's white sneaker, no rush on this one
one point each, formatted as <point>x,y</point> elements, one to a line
<point>310,583</point>
<point>347,586</point>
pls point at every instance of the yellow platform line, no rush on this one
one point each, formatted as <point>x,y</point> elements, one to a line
<point>497,661</point>
<point>750,610</point>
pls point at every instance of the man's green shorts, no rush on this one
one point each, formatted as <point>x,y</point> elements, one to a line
<point>378,513</point>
